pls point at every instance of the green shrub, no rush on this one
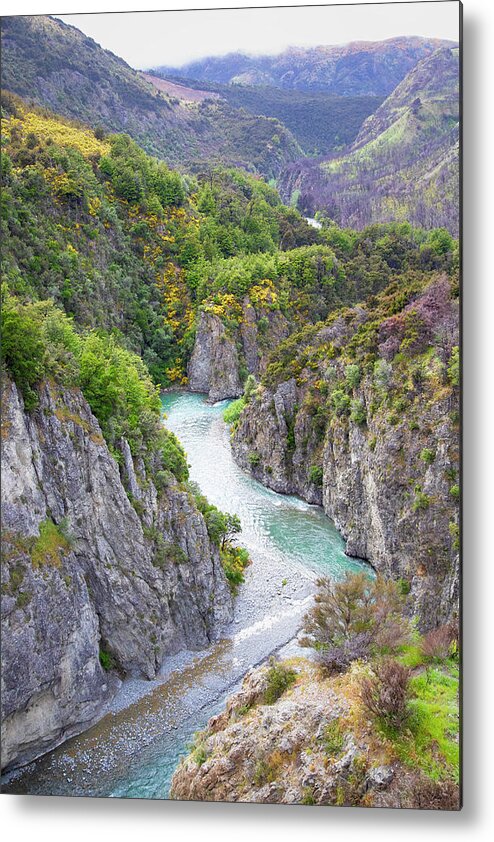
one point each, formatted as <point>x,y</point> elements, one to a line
<point>427,455</point>
<point>232,413</point>
<point>22,347</point>
<point>51,546</point>
<point>383,372</point>
<point>254,459</point>
<point>279,679</point>
<point>308,797</point>
<point>107,660</point>
<point>455,492</point>
<point>265,772</point>
<point>404,586</point>
<point>358,414</point>
<point>454,367</point>
<point>234,560</point>
<point>316,475</point>
<point>352,375</point>
<point>333,739</point>
<point>421,502</point>
<point>173,455</point>
<point>340,401</point>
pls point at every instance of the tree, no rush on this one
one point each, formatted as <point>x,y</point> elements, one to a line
<point>22,347</point>
<point>355,618</point>
<point>232,526</point>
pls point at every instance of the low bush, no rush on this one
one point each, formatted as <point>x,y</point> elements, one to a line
<point>107,660</point>
<point>354,619</point>
<point>386,693</point>
<point>279,679</point>
<point>234,560</point>
<point>232,413</point>
<point>333,739</point>
<point>316,475</point>
<point>434,795</point>
<point>438,643</point>
<point>427,455</point>
<point>358,413</point>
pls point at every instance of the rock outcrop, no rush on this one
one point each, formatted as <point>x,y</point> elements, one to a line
<point>86,571</point>
<point>223,355</point>
<point>312,746</point>
<point>214,364</point>
<point>387,477</point>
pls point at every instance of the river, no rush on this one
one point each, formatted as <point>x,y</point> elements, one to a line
<point>133,750</point>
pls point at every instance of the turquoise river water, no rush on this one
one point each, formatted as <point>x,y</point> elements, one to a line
<point>133,750</point>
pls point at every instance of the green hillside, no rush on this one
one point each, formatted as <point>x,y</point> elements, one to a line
<point>404,164</point>
<point>320,122</point>
<point>51,64</point>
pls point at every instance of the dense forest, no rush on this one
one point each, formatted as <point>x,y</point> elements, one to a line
<point>320,122</point>
<point>72,75</point>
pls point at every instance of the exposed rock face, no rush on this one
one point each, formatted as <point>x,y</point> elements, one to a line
<point>387,483</point>
<point>220,353</point>
<point>306,748</point>
<point>214,365</point>
<point>84,572</point>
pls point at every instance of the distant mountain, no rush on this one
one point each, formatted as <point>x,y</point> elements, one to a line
<point>52,64</point>
<point>321,123</point>
<point>371,68</point>
<point>404,164</point>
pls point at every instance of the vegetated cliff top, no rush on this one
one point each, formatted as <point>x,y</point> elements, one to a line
<point>427,99</point>
<point>52,64</point>
<point>404,163</point>
<point>315,743</point>
<point>361,67</point>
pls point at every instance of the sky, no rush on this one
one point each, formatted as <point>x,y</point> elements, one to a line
<point>149,39</point>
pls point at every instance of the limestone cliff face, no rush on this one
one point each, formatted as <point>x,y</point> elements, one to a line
<point>387,478</point>
<point>221,354</point>
<point>85,570</point>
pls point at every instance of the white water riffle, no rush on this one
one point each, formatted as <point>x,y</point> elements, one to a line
<point>313,222</point>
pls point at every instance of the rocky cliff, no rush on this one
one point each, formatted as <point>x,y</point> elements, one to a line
<point>314,745</point>
<point>225,352</point>
<point>375,442</point>
<point>89,577</point>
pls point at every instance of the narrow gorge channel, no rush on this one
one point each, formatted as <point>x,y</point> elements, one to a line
<point>134,749</point>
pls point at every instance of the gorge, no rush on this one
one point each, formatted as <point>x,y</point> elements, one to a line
<point>214,405</point>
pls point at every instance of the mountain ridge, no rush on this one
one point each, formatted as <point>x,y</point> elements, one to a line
<point>348,69</point>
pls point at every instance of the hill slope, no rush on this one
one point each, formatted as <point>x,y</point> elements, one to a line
<point>404,164</point>
<point>321,123</point>
<point>371,68</point>
<point>55,65</point>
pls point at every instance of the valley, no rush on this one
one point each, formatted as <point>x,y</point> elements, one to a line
<point>231,409</point>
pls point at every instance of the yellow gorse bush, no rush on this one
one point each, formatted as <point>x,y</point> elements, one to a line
<point>60,133</point>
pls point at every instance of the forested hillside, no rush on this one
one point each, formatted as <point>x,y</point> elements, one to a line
<point>120,240</point>
<point>123,243</point>
<point>404,164</point>
<point>55,65</point>
<point>319,121</point>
